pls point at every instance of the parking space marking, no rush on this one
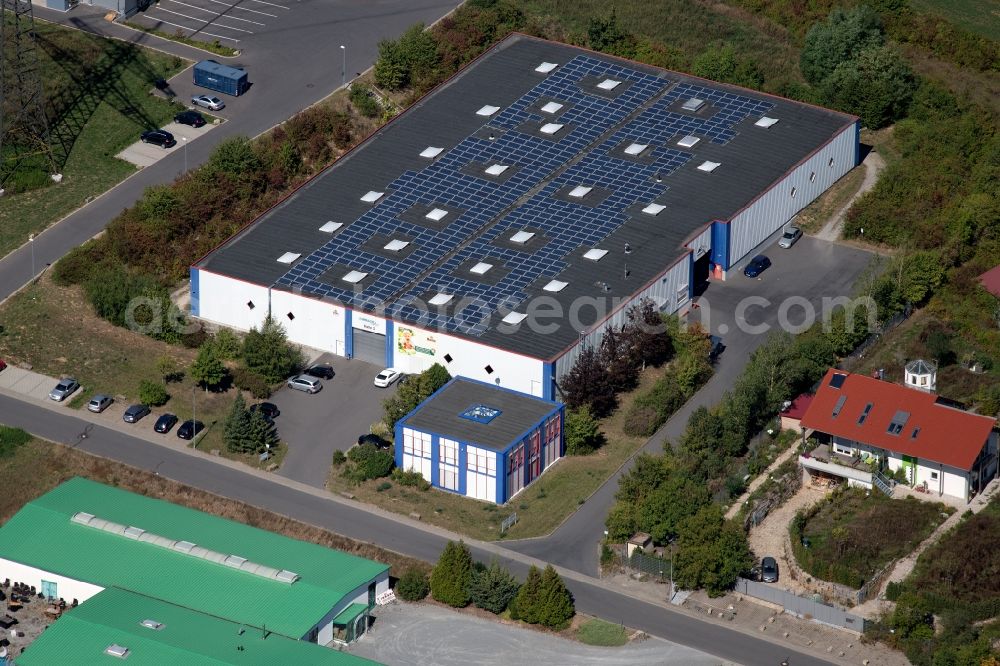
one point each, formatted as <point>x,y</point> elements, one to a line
<point>235,18</point>
<point>270,3</point>
<point>192,30</point>
<point>208,23</point>
<point>229,4</point>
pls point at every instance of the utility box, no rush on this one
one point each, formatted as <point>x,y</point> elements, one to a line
<point>220,78</point>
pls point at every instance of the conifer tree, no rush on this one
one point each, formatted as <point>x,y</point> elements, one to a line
<point>525,605</point>
<point>555,602</point>
<point>452,576</point>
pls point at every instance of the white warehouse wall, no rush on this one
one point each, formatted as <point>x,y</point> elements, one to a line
<point>358,596</point>
<point>66,588</point>
<point>223,300</point>
<point>663,291</point>
<point>317,323</point>
<point>775,207</point>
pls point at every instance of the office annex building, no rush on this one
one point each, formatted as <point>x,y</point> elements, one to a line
<point>510,216</point>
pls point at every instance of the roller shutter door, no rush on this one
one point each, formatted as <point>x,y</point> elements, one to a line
<point>369,347</point>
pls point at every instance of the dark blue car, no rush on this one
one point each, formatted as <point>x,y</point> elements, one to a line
<point>757,265</point>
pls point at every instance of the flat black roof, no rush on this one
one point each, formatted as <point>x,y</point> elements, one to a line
<point>441,414</point>
<point>605,105</point>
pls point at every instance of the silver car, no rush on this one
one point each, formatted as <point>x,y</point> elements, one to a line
<point>99,403</point>
<point>64,389</point>
<point>788,239</point>
<point>305,383</point>
<point>208,102</point>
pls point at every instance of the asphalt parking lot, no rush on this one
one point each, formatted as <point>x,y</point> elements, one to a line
<point>144,154</point>
<point>316,425</point>
<point>405,634</point>
<point>229,23</point>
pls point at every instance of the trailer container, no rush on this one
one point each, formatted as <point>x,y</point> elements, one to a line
<point>220,78</point>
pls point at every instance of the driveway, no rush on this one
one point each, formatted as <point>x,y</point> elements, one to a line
<point>144,154</point>
<point>406,634</point>
<point>810,270</point>
<point>316,425</point>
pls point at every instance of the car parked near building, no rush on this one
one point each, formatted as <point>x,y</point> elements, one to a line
<point>386,377</point>
<point>64,389</point>
<point>374,440</point>
<point>320,370</point>
<point>305,383</point>
<point>789,238</point>
<point>757,265</point>
<point>268,409</point>
<point>189,429</point>
<point>209,102</point>
<point>134,413</point>
<point>192,118</point>
<point>161,138</point>
<point>99,403</point>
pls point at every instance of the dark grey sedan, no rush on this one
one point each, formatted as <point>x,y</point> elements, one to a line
<point>134,413</point>
<point>769,570</point>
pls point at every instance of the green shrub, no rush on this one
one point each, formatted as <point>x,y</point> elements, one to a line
<point>410,478</point>
<point>227,344</point>
<point>339,458</point>
<point>251,382</point>
<point>267,352</point>
<point>583,432</point>
<point>76,267</point>
<point>382,487</point>
<point>641,421</point>
<point>369,463</point>
<point>12,439</point>
<point>893,589</point>
<point>361,98</point>
<point>412,586</point>
<point>152,393</point>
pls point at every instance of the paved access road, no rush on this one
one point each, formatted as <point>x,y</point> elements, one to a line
<point>386,530</point>
<point>811,269</point>
<point>295,62</point>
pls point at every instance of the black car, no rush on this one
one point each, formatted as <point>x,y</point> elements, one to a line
<point>165,423</point>
<point>189,429</point>
<point>268,409</point>
<point>374,440</point>
<point>715,348</point>
<point>321,370</point>
<point>134,413</point>
<point>192,118</point>
<point>161,138</point>
<point>769,570</point>
<point>757,265</point>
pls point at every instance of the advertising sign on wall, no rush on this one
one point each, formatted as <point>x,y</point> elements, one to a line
<point>413,341</point>
<point>370,324</point>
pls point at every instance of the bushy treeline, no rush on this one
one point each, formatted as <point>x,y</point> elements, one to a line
<point>671,496</point>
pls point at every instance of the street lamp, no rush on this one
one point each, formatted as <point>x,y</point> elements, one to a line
<point>185,139</point>
<point>31,242</point>
<point>343,65</point>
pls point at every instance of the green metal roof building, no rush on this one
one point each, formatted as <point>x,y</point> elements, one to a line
<point>149,632</point>
<point>83,537</point>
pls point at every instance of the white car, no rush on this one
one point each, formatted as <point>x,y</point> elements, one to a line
<point>386,377</point>
<point>209,102</point>
<point>788,238</point>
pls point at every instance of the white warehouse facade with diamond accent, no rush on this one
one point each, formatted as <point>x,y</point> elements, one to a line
<point>521,209</point>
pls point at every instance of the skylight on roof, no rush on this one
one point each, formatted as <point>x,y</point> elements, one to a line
<point>184,546</point>
<point>709,166</point>
<point>481,413</point>
<point>865,413</point>
<point>653,209</point>
<point>552,107</point>
<point>487,110</point>
<point>546,67</point>
<point>898,422</point>
<point>550,128</point>
<point>372,196</point>
<point>116,650</point>
<point>636,148</point>
<point>481,268</point>
<point>766,122</point>
<point>436,214</point>
<point>595,254</point>
<point>354,277</point>
<point>837,380</point>
<point>608,84</point>
<point>688,141</point>
<point>693,104</point>
<point>496,169</point>
<point>431,152</point>
<point>152,624</point>
<point>440,299</point>
<point>331,226</point>
<point>395,245</point>
<point>522,237</point>
<point>580,191</point>
<point>514,318</point>
<point>288,257</point>
<point>839,406</point>
<point>555,285</point>
<point>234,561</point>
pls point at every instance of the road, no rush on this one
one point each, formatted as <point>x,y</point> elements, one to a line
<point>388,531</point>
<point>292,65</point>
<point>812,268</point>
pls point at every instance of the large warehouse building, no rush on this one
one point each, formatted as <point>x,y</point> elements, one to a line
<point>83,538</point>
<point>510,216</point>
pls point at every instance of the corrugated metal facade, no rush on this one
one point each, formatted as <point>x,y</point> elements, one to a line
<point>670,292</point>
<point>776,206</point>
<point>701,243</point>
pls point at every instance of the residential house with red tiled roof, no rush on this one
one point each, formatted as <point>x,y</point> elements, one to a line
<point>869,429</point>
